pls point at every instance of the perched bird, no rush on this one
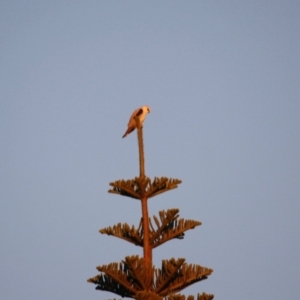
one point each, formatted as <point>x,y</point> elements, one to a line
<point>141,113</point>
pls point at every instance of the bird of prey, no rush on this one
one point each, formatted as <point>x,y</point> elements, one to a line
<point>141,113</point>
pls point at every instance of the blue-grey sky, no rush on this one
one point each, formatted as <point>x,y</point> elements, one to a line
<point>222,81</point>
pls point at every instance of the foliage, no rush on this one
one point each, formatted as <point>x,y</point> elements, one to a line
<point>136,277</point>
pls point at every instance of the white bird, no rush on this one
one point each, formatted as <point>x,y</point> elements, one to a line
<point>141,113</point>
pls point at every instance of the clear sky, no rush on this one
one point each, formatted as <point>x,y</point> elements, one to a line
<point>222,81</point>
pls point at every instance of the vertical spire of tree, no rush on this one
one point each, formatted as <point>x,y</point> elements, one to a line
<point>136,277</point>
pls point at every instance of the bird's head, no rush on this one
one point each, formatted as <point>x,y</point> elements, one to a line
<point>146,108</point>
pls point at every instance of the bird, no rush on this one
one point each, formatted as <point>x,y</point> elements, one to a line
<point>141,113</point>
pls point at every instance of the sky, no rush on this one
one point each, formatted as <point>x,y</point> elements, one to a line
<point>222,81</point>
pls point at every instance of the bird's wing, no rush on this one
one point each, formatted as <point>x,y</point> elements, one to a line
<point>136,113</point>
<point>140,111</point>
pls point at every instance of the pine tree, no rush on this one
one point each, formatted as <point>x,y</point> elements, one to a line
<point>136,277</point>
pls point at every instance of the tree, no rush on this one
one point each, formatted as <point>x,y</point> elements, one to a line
<point>136,277</point>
